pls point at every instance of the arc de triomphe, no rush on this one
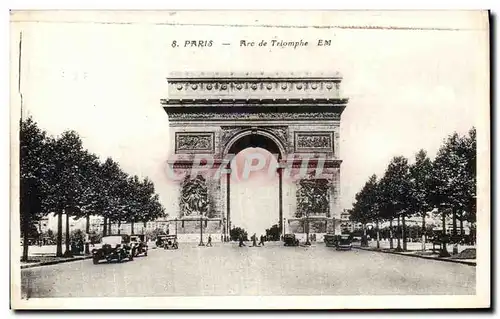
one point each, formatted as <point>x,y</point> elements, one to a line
<point>296,117</point>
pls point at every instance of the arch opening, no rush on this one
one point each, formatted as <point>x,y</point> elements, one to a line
<point>255,173</point>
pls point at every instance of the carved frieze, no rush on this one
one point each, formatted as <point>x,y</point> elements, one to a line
<point>313,142</point>
<point>194,142</point>
<point>200,116</point>
<point>207,85</point>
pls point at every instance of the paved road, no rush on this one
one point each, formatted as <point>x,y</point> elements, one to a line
<point>226,269</point>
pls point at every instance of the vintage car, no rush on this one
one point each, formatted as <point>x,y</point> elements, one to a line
<point>290,240</point>
<point>116,247</point>
<point>343,242</point>
<point>170,242</point>
<point>330,240</point>
<point>160,240</point>
<point>138,243</point>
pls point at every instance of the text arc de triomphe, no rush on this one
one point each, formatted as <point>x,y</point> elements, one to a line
<point>294,116</point>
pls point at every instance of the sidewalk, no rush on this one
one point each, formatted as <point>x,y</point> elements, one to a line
<point>49,260</point>
<point>415,250</point>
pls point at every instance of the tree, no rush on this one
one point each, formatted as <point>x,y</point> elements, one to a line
<point>366,207</point>
<point>67,182</point>
<point>237,232</point>
<point>34,171</point>
<point>421,182</point>
<point>395,193</point>
<point>114,187</point>
<point>273,233</point>
<point>445,183</point>
<point>454,180</point>
<point>467,204</point>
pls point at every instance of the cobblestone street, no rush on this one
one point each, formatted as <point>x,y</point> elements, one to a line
<point>226,269</point>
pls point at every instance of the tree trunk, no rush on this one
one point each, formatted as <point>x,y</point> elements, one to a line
<point>119,226</point>
<point>87,224</point>
<point>378,236</point>
<point>105,227</point>
<point>404,233</point>
<point>391,245</point>
<point>68,251</point>
<point>444,251</point>
<point>398,234</point>
<point>131,227</point>
<point>87,235</point>
<point>454,216</point>
<point>59,252</point>
<point>110,230</point>
<point>25,231</point>
<point>424,232</point>
<point>462,224</point>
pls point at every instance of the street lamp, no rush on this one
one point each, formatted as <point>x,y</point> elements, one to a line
<point>307,229</point>
<point>224,229</point>
<point>201,230</point>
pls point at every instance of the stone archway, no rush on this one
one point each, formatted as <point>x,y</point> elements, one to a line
<point>254,138</point>
<point>296,117</point>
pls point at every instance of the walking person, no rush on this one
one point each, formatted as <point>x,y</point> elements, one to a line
<point>241,241</point>
<point>261,240</point>
<point>254,240</point>
<point>209,242</point>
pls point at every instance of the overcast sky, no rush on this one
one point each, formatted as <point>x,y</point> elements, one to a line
<point>408,89</point>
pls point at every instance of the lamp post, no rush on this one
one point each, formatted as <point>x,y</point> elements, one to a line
<point>201,230</point>
<point>307,229</point>
<point>224,229</point>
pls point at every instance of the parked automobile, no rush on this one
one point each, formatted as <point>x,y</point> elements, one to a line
<point>330,240</point>
<point>290,240</point>
<point>343,242</point>
<point>138,243</point>
<point>160,240</point>
<point>170,242</point>
<point>116,247</point>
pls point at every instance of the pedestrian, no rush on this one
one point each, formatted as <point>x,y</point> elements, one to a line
<point>261,240</point>
<point>209,242</point>
<point>254,240</point>
<point>241,241</point>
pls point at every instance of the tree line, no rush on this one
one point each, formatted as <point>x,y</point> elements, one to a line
<point>57,175</point>
<point>445,186</point>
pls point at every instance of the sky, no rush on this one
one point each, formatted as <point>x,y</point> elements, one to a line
<point>103,76</point>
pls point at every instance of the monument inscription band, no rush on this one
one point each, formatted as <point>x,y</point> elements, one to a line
<point>296,117</point>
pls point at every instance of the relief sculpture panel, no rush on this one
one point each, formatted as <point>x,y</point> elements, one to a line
<point>194,142</point>
<point>313,142</point>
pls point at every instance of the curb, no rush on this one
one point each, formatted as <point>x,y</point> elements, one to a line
<point>469,263</point>
<point>54,262</point>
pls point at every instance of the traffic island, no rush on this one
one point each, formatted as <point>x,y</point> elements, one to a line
<point>467,257</point>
